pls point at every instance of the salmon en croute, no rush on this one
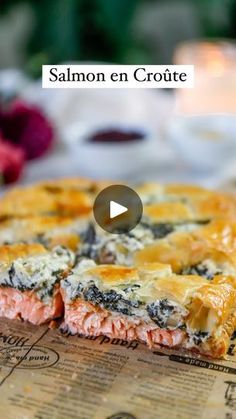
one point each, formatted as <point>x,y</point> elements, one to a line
<point>169,282</point>
<point>152,305</point>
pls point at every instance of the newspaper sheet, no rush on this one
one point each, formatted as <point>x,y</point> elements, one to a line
<point>45,375</point>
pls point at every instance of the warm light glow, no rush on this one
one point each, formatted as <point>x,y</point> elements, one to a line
<point>217,63</point>
<point>215,77</point>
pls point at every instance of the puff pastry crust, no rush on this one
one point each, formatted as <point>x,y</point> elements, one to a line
<point>48,230</point>
<point>45,200</point>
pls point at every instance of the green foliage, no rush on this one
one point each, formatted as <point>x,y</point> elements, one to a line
<point>56,35</point>
<point>101,30</point>
<point>215,16</point>
<point>92,30</point>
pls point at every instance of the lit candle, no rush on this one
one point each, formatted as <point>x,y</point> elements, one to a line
<point>215,77</point>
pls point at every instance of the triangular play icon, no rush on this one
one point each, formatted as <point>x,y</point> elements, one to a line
<point>116,209</point>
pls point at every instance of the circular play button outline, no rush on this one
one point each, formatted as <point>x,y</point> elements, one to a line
<point>118,209</point>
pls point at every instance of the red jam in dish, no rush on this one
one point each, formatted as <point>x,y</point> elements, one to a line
<point>115,135</point>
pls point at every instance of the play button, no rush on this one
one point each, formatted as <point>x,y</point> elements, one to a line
<point>118,209</point>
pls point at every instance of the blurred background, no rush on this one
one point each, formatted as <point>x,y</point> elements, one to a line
<point>187,135</point>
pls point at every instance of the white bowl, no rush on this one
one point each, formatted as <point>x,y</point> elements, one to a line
<point>204,141</point>
<point>113,160</point>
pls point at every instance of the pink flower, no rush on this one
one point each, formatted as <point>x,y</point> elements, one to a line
<point>26,126</point>
<point>11,161</point>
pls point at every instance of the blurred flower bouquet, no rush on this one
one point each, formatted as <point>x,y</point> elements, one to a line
<point>25,134</point>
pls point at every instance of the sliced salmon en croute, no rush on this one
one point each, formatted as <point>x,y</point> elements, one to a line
<point>29,281</point>
<point>152,305</point>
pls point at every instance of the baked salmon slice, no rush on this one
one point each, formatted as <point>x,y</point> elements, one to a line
<point>152,305</point>
<point>85,318</point>
<point>15,304</point>
<point>29,281</point>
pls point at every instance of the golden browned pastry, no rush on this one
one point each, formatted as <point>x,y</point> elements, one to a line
<point>207,250</point>
<point>47,230</point>
<point>61,197</point>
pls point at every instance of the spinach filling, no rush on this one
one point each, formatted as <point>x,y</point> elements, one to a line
<point>89,236</point>
<point>11,276</point>
<point>166,315</point>
<point>102,250</point>
<point>88,248</point>
<point>41,239</point>
<point>159,230</point>
<point>110,300</point>
<point>201,269</point>
<point>160,312</point>
<point>199,337</point>
<point>233,337</point>
<point>12,280</point>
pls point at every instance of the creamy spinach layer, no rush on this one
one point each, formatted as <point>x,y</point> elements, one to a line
<point>38,273</point>
<point>208,269</point>
<point>119,249</point>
